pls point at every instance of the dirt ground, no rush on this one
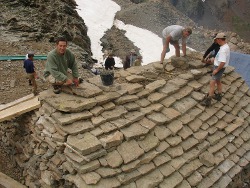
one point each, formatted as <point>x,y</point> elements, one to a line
<point>14,83</point>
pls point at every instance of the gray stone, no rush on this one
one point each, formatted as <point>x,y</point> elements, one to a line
<point>108,106</point>
<point>108,172</point>
<point>130,151</point>
<point>126,99</point>
<point>134,131</point>
<point>156,97</point>
<point>172,181</point>
<point>114,159</point>
<point>194,179</point>
<point>134,116</point>
<point>167,102</point>
<point>65,119</point>
<point>135,78</point>
<point>115,113</point>
<point>158,118</point>
<point>149,142</point>
<point>85,144</point>
<point>166,169</point>
<point>175,126</point>
<point>207,159</point>
<point>87,90</point>
<point>145,122</point>
<point>107,97</point>
<point>71,103</point>
<point>131,166</point>
<point>162,132</point>
<point>112,140</point>
<point>171,113</point>
<point>226,165</point>
<point>132,106</point>
<point>108,127</point>
<point>184,104</point>
<point>169,89</point>
<point>175,151</point>
<point>151,180</point>
<point>125,178</point>
<point>132,88</point>
<point>145,168</point>
<point>183,92</point>
<point>91,178</point>
<point>155,85</point>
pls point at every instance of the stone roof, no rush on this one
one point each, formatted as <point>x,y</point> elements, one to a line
<point>146,130</point>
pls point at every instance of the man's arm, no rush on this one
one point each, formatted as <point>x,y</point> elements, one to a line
<point>73,66</point>
<point>165,48</point>
<point>184,47</point>
<point>219,68</point>
<point>210,49</point>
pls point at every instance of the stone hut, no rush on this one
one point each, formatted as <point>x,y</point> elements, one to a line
<point>147,130</point>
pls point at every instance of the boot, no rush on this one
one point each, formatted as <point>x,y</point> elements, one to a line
<point>57,89</point>
<point>217,96</point>
<point>206,101</point>
<point>80,80</point>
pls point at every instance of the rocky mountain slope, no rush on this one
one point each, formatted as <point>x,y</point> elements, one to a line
<point>155,15</point>
<point>224,14</point>
<point>39,21</point>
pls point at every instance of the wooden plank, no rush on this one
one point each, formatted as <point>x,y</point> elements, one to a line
<point>19,109</point>
<point>28,97</point>
<point>8,182</point>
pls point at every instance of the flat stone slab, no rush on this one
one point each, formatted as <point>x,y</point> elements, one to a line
<point>70,103</point>
<point>130,151</point>
<point>84,143</point>
<point>87,90</point>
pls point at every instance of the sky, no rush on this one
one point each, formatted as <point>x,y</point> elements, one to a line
<point>99,15</point>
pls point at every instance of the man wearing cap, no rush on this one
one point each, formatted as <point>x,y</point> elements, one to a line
<point>171,35</point>
<point>58,62</point>
<point>130,59</point>
<point>30,70</point>
<point>221,61</point>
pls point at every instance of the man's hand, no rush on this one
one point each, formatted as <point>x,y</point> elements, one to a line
<point>76,81</point>
<point>68,82</point>
<point>215,71</point>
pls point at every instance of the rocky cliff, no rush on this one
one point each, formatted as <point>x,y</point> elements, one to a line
<point>155,15</point>
<point>42,21</point>
<point>224,14</point>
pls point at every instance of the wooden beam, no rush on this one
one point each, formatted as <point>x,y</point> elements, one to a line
<point>19,108</point>
<point>28,97</point>
<point>8,182</point>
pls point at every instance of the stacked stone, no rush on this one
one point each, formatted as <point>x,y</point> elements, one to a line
<point>148,130</point>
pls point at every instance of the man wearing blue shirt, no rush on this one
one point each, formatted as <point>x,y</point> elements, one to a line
<point>30,70</point>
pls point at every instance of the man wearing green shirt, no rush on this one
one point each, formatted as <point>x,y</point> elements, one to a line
<point>59,61</point>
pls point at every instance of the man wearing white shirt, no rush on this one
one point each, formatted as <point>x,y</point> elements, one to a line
<point>221,61</point>
<point>171,35</point>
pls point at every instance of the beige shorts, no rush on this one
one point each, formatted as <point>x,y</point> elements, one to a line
<point>53,80</point>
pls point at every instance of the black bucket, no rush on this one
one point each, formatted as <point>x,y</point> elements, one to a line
<point>108,79</point>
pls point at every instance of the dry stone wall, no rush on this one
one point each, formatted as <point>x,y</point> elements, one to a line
<point>146,130</point>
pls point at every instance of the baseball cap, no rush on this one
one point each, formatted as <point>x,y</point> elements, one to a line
<point>220,36</point>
